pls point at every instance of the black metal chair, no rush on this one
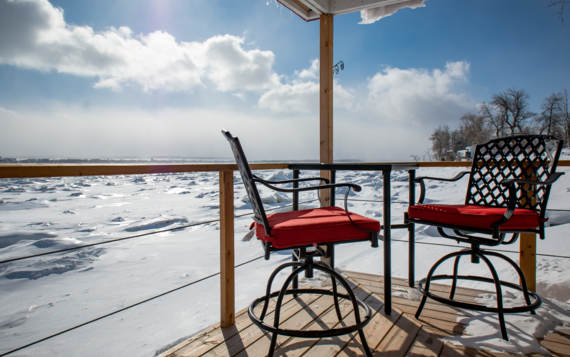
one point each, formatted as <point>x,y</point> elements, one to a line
<point>305,231</point>
<point>507,193</point>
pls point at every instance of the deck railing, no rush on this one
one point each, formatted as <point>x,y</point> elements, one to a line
<point>527,248</point>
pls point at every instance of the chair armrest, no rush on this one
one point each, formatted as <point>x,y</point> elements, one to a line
<point>269,184</point>
<point>355,187</point>
<point>511,185</point>
<point>555,176</point>
<point>421,179</point>
<point>350,186</point>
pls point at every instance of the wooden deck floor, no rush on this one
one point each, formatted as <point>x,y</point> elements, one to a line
<point>399,334</point>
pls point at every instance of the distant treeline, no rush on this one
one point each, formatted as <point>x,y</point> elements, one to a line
<point>506,113</point>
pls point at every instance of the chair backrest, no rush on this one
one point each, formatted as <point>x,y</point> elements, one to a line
<point>248,181</point>
<point>527,157</point>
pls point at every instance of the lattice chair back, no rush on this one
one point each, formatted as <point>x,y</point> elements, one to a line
<point>248,181</point>
<point>522,157</point>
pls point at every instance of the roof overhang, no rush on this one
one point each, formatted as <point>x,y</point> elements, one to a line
<point>310,10</point>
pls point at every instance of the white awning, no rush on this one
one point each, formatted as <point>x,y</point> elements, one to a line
<point>373,10</point>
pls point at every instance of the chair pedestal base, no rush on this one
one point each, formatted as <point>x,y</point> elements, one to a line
<point>532,300</point>
<point>299,267</point>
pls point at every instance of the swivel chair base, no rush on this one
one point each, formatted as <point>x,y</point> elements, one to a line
<point>532,300</point>
<point>307,265</point>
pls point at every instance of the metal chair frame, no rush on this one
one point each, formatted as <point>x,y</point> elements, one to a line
<point>302,259</point>
<point>510,172</point>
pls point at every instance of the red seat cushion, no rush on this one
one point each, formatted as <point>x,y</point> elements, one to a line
<point>475,216</point>
<point>314,226</point>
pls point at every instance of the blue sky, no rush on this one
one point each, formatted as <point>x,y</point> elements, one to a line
<point>151,78</point>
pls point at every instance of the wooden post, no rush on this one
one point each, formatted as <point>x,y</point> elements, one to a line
<point>527,258</point>
<point>527,244</point>
<point>227,284</point>
<point>326,98</point>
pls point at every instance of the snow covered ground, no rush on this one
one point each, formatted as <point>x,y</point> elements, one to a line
<point>42,296</point>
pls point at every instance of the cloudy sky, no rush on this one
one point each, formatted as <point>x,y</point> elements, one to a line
<point>150,78</point>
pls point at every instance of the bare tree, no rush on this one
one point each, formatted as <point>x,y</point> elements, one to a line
<point>507,112</point>
<point>512,105</point>
<point>566,117</point>
<point>551,121</point>
<point>494,119</point>
<point>473,129</point>
<point>441,142</point>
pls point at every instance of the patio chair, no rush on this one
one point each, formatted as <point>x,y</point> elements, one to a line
<point>305,232</point>
<point>507,193</point>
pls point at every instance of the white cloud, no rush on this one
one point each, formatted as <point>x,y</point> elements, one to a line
<point>301,95</point>
<point>370,16</point>
<point>393,112</point>
<point>310,73</point>
<point>231,68</point>
<point>392,117</point>
<point>34,35</point>
<point>377,140</point>
<point>389,118</point>
<point>7,114</point>
<point>419,96</point>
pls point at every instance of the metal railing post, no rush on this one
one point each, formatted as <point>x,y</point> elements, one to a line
<point>411,229</point>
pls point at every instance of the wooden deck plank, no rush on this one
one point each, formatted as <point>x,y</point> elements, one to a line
<point>398,334</point>
<point>433,311</point>
<point>564,331</point>
<point>250,337</point>
<point>413,294</point>
<point>303,321</point>
<point>442,328</point>
<point>331,346</point>
<point>211,338</point>
<point>312,346</point>
<point>208,338</point>
<point>557,343</point>
<point>375,332</point>
<point>558,338</point>
<point>426,344</point>
<point>261,345</point>
<point>404,282</point>
<point>400,337</point>
<point>450,350</point>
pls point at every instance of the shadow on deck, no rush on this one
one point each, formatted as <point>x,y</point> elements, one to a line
<point>398,334</point>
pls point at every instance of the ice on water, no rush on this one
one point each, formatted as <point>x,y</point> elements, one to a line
<point>47,294</point>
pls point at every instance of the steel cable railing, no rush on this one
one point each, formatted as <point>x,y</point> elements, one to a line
<point>101,317</point>
<point>496,250</point>
<point>63,250</point>
<point>138,303</point>
<point>156,296</point>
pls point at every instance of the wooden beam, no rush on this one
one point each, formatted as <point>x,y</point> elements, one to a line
<point>326,97</point>
<point>227,276</point>
<point>527,258</point>
<point>527,243</point>
<point>60,170</point>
